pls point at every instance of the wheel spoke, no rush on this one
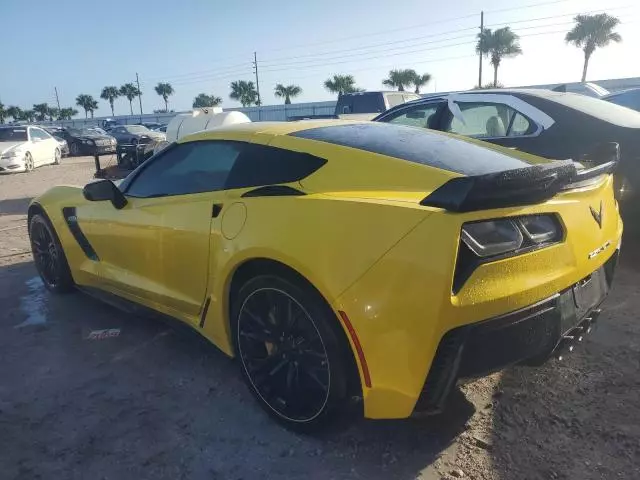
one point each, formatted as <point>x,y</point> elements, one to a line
<point>283,354</point>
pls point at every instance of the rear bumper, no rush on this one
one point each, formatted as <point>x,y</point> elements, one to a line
<point>529,335</point>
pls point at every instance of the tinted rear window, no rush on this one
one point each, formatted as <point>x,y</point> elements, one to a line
<point>607,111</point>
<point>418,145</point>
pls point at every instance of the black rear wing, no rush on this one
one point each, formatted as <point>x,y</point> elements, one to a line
<point>511,188</point>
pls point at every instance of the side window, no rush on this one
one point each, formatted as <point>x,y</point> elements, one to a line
<point>519,126</point>
<point>423,116</point>
<point>488,120</point>
<point>260,165</point>
<point>193,167</point>
<point>395,99</point>
<point>39,134</point>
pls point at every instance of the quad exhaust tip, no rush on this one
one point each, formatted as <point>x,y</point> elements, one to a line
<point>576,334</point>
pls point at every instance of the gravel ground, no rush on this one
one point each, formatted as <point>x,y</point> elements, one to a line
<point>158,402</point>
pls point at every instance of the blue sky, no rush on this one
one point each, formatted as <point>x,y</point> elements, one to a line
<point>203,45</point>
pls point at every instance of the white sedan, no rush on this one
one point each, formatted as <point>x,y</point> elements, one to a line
<point>23,148</point>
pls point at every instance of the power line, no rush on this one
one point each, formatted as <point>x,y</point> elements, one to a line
<point>558,16</point>
<point>522,7</point>
<point>381,44</point>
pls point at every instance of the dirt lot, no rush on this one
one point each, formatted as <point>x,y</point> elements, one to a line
<point>156,402</point>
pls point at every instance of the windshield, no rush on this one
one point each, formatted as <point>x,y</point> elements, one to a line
<point>137,129</point>
<point>98,130</point>
<point>13,134</point>
<point>79,132</point>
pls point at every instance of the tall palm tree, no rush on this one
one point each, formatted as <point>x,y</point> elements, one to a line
<point>244,92</point>
<point>165,90</point>
<point>130,91</point>
<point>591,32</point>
<point>41,110</point>
<point>498,44</point>
<point>86,102</point>
<point>287,92</point>
<point>203,100</point>
<point>341,84</point>
<point>110,94</point>
<point>420,81</point>
<point>15,113</point>
<point>3,113</point>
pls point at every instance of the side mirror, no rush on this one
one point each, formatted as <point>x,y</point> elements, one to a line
<point>102,190</point>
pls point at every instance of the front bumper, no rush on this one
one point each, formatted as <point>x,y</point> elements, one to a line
<point>529,335</point>
<point>12,165</point>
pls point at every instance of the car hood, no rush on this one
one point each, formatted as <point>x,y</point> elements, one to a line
<point>5,146</point>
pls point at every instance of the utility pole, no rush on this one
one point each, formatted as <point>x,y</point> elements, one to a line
<point>139,92</point>
<point>480,55</point>
<point>255,66</point>
<point>57,99</point>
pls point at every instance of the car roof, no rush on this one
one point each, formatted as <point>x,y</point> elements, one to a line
<point>268,128</point>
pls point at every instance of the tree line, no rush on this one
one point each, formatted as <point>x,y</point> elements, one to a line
<point>589,33</point>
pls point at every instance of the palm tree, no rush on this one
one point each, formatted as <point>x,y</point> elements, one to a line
<point>67,113</point>
<point>244,92</point>
<point>165,90</point>
<point>28,115</point>
<point>591,32</point>
<point>287,92</point>
<point>15,113</point>
<point>420,81</point>
<point>502,43</point>
<point>93,105</point>
<point>130,91</point>
<point>52,112</point>
<point>87,103</point>
<point>203,100</point>
<point>41,110</point>
<point>110,94</point>
<point>341,84</point>
<point>400,79</point>
<point>3,113</point>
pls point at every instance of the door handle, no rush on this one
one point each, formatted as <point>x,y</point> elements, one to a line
<point>217,208</point>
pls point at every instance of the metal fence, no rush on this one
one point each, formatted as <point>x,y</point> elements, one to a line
<point>256,114</point>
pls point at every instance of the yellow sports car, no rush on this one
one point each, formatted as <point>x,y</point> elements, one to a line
<point>347,265</point>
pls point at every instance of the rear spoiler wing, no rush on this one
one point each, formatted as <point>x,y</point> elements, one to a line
<point>521,186</point>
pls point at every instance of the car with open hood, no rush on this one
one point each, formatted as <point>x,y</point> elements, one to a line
<point>353,268</point>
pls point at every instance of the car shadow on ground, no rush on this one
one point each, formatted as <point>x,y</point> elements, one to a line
<point>15,206</point>
<point>157,401</point>
<point>578,418</point>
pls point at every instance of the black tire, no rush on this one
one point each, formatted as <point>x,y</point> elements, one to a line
<point>295,364</point>
<point>74,150</point>
<point>49,256</point>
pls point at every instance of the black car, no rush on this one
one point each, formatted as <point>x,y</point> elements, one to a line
<point>627,98</point>
<point>127,135</point>
<point>83,141</point>
<point>542,122</point>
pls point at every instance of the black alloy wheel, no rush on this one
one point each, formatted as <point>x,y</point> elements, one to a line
<point>48,256</point>
<point>283,354</point>
<point>74,149</point>
<point>294,355</point>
